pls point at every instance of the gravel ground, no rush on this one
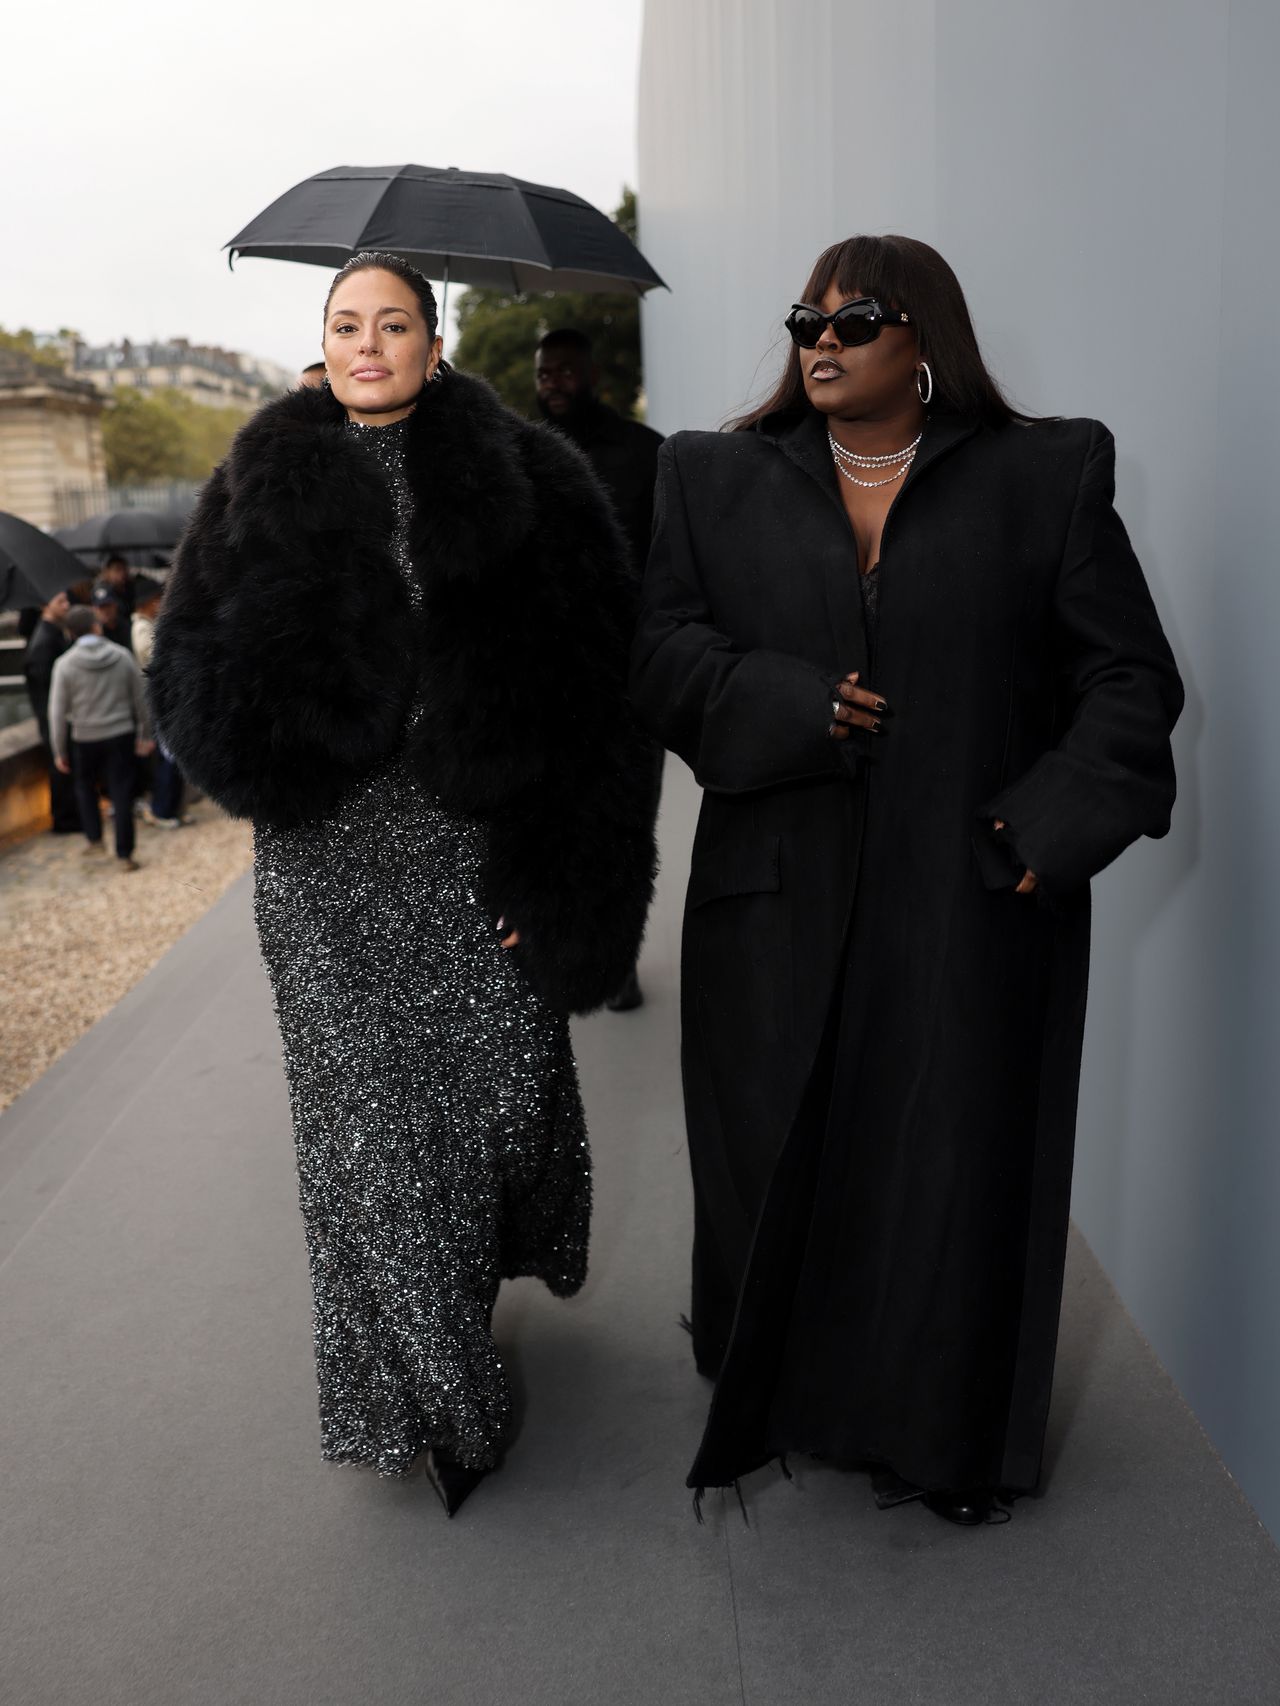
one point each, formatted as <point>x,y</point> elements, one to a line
<point>77,933</point>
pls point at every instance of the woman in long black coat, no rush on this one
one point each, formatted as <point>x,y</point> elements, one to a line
<point>899,634</point>
<point>390,637</point>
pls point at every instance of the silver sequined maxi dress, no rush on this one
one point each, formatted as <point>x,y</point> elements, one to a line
<point>439,1130</point>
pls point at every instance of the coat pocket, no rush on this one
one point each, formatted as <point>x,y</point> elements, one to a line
<point>996,860</point>
<point>719,872</point>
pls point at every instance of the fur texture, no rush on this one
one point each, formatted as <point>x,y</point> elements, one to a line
<point>288,652</point>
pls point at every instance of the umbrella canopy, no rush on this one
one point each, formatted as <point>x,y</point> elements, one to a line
<point>464,227</point>
<point>124,530</point>
<point>32,565</point>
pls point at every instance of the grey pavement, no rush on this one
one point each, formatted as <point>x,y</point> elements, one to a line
<point>170,1535</point>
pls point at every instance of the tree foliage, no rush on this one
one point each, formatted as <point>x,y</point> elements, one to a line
<point>24,341</point>
<point>164,435</point>
<point>498,332</point>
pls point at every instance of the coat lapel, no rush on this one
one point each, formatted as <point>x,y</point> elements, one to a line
<point>805,444</point>
<point>473,499</point>
<point>942,434</point>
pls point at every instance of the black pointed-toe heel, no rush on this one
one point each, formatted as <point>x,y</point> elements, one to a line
<point>629,997</point>
<point>889,1489</point>
<point>969,1507</point>
<point>453,1482</point>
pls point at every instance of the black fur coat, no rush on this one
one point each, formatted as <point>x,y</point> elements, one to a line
<point>288,652</point>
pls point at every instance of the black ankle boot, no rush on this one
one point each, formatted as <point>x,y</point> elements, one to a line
<point>453,1481</point>
<point>970,1507</point>
<point>629,997</point>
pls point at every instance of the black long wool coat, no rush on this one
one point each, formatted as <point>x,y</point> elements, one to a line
<point>902,1299</point>
<point>288,652</point>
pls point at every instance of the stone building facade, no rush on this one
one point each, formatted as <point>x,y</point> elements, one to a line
<point>50,438</point>
<point>203,372</point>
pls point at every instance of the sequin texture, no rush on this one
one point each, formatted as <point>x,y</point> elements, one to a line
<point>439,1129</point>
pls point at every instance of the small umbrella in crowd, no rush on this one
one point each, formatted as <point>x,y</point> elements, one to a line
<point>33,567</point>
<point>124,530</point>
<point>476,228</point>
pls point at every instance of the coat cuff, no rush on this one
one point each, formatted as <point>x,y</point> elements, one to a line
<point>997,856</point>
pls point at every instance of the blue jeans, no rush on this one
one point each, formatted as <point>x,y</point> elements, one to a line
<point>166,785</point>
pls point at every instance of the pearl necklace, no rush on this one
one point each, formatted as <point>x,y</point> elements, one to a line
<point>847,460</point>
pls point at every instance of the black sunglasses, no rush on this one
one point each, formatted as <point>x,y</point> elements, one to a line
<point>857,322</point>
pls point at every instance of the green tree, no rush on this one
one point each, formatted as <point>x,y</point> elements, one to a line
<point>499,330</point>
<point>24,341</point>
<point>164,435</point>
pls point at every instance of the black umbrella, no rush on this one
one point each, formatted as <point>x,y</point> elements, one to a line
<point>124,530</point>
<point>32,565</point>
<point>478,228</point>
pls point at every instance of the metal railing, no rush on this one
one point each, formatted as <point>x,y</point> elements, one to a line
<point>74,504</point>
<point>14,705</point>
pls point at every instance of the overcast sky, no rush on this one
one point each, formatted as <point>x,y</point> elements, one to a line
<point>139,138</point>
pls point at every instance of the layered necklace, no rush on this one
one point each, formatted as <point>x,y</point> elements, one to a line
<point>850,464</point>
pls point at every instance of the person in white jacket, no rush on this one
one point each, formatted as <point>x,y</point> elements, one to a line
<point>167,785</point>
<point>98,690</point>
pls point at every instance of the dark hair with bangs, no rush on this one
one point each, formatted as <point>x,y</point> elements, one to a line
<point>903,274</point>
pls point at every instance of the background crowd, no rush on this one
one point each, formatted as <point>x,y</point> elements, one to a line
<point>86,656</point>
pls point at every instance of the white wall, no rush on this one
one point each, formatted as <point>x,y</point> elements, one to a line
<point>1101,176</point>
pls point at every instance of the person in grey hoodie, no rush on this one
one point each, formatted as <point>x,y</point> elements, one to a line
<point>98,689</point>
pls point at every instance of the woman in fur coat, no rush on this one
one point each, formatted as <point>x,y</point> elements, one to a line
<point>396,638</point>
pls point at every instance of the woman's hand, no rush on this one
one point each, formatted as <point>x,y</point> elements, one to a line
<point>511,941</point>
<point>856,708</point>
<point>1029,879</point>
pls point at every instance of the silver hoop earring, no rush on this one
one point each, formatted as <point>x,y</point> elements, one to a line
<point>926,396</point>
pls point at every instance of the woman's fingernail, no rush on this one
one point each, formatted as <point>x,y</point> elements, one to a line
<point>500,923</point>
<point>881,705</point>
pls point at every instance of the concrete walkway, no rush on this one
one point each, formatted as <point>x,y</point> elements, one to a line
<point>171,1537</point>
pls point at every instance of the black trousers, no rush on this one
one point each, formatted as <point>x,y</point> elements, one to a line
<point>62,790</point>
<point>109,762</point>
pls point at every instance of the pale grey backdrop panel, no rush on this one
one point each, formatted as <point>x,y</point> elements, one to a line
<point>1101,177</point>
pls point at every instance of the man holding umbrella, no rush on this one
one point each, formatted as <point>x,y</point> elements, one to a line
<point>624,455</point>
